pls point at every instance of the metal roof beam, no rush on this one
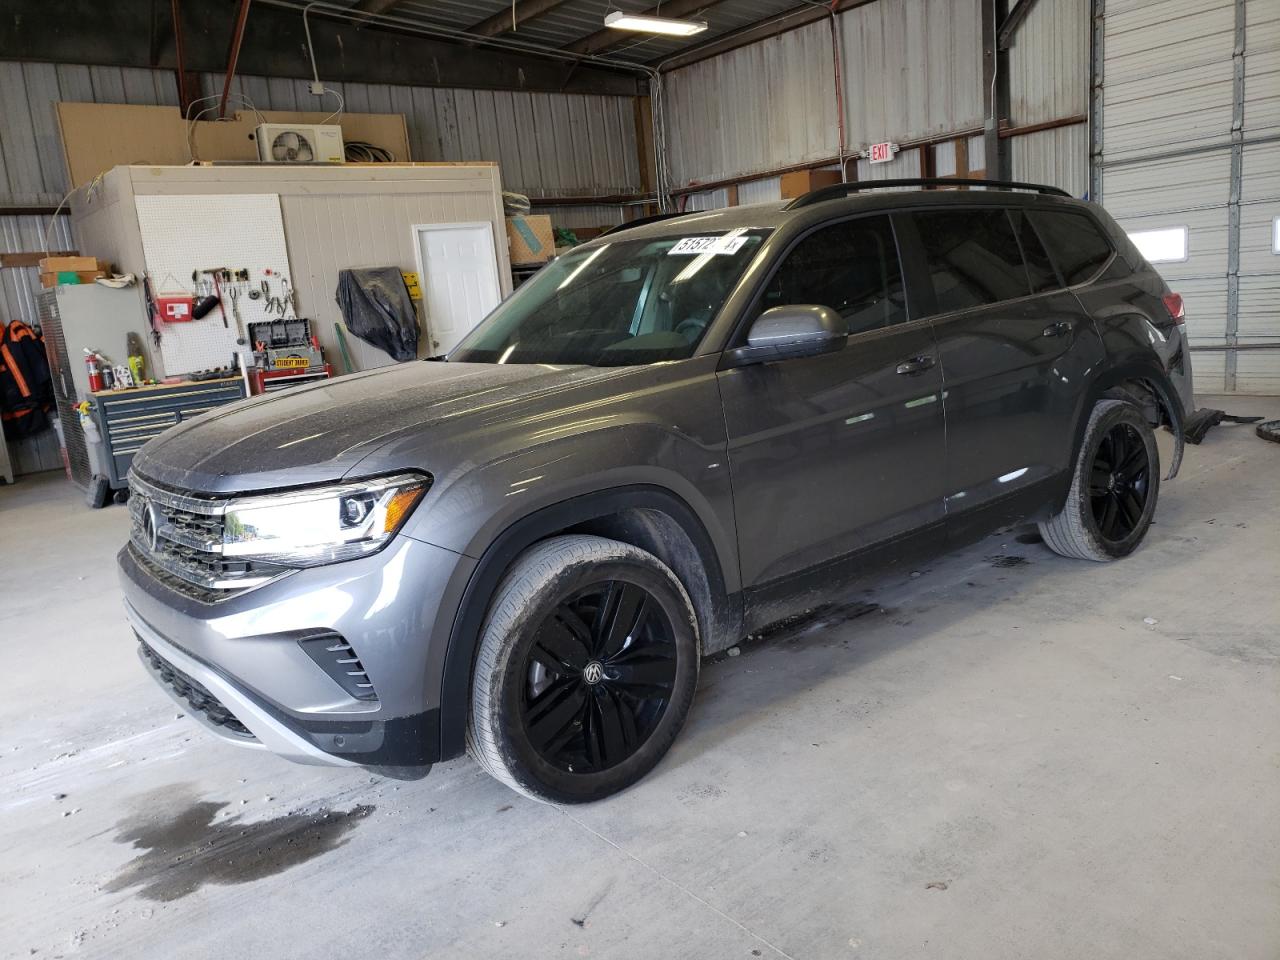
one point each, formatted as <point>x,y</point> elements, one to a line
<point>603,39</point>
<point>374,6</point>
<point>505,21</point>
<point>1005,36</point>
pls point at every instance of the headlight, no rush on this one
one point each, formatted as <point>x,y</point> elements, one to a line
<point>321,525</point>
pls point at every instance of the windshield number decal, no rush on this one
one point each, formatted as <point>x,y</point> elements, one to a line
<point>693,246</point>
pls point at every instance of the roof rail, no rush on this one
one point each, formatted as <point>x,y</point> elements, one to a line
<point>838,190</point>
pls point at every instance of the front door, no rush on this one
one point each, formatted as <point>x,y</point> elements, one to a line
<point>834,453</point>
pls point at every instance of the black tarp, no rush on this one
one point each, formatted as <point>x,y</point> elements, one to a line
<point>376,308</point>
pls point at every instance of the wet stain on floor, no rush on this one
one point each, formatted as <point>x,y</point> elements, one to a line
<point>1007,561</point>
<point>185,850</point>
<point>825,615</point>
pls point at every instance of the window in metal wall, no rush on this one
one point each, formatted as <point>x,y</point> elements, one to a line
<point>1166,245</point>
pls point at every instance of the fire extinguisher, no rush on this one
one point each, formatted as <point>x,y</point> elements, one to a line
<point>91,365</point>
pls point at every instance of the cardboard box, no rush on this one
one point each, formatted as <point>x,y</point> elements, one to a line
<point>73,264</point>
<point>85,276</point>
<point>799,182</point>
<point>531,239</point>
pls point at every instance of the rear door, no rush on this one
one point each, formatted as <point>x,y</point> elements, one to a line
<point>833,453</point>
<point>1013,345</point>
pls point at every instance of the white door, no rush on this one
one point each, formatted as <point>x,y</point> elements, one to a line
<point>458,266</point>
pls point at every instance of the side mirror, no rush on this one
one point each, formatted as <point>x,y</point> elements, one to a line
<point>786,332</point>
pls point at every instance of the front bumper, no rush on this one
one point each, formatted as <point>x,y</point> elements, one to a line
<point>243,658</point>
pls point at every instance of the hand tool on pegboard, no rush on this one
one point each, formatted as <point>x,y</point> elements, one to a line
<point>217,273</point>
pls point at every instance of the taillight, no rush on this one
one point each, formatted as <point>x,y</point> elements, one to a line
<point>1173,303</point>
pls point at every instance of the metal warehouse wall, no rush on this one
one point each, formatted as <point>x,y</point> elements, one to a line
<point>1048,82</point>
<point>911,69</point>
<point>1190,134</point>
<point>547,145</point>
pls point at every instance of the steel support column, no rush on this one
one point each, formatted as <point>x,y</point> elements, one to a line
<point>995,92</point>
<point>1233,201</point>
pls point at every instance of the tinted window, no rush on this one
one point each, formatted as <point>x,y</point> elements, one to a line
<point>851,267</point>
<point>1076,243</point>
<point>1039,267</point>
<point>973,257</point>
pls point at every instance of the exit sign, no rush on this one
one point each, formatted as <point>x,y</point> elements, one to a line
<point>881,152</point>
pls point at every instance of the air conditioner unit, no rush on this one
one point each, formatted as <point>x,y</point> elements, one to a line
<point>299,143</point>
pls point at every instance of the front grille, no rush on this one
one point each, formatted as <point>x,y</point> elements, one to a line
<point>178,539</point>
<point>195,694</point>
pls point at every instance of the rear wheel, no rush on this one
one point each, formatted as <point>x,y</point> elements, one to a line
<point>1114,489</point>
<point>587,667</point>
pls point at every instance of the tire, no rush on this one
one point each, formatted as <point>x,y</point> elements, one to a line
<point>1108,520</point>
<point>567,706</point>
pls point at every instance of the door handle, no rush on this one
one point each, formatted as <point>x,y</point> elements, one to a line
<point>1059,329</point>
<point>916,365</point>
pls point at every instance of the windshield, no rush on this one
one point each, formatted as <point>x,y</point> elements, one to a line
<point>616,304</point>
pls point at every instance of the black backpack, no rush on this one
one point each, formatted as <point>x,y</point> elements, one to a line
<point>26,387</point>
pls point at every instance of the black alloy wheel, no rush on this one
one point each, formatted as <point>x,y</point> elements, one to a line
<point>1119,482</point>
<point>599,676</point>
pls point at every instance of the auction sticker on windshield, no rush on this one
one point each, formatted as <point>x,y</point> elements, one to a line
<point>691,246</point>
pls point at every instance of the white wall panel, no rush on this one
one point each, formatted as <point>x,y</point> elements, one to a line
<point>707,200</point>
<point>1262,66</point>
<point>1195,182</point>
<point>912,69</point>
<point>1049,63</point>
<point>547,144</point>
<point>1209,370</point>
<point>906,163</point>
<point>1168,74</point>
<point>1170,89</point>
<point>757,108</point>
<point>1059,157</point>
<point>760,191</point>
<point>20,285</point>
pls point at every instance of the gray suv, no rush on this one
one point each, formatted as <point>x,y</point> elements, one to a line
<point>668,438</point>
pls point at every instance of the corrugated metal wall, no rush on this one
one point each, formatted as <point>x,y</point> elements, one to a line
<point>546,144</point>
<point>754,109</point>
<point>1048,81</point>
<point>1190,115</point>
<point>18,289</point>
<point>1059,157</point>
<point>911,69</point>
<point>1258,311</point>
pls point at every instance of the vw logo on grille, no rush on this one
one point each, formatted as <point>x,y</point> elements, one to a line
<point>593,672</point>
<point>151,520</point>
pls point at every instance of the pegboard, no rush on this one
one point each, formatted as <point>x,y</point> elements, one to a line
<point>182,233</point>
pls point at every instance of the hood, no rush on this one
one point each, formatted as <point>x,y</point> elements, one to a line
<point>316,434</point>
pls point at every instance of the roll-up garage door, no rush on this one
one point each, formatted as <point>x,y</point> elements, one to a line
<point>1190,167</point>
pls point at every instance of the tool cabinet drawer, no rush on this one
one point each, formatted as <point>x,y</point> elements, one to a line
<point>130,418</point>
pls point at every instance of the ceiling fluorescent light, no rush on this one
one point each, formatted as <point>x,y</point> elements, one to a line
<point>634,21</point>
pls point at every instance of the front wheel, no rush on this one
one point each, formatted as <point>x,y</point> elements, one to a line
<point>1114,489</point>
<point>586,672</point>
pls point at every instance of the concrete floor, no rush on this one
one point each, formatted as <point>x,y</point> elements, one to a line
<point>1010,760</point>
